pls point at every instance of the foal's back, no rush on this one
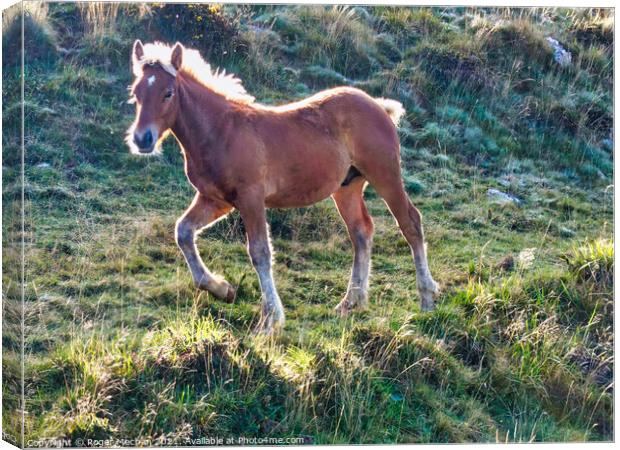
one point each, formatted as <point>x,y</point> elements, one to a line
<point>308,147</point>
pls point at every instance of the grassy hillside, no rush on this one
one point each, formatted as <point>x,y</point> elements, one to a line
<point>507,152</point>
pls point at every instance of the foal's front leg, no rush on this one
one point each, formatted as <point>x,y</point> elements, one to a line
<point>259,248</point>
<point>200,214</point>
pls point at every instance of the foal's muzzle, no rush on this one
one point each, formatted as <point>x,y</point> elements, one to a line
<point>144,142</point>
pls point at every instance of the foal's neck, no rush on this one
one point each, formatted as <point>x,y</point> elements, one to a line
<point>198,117</point>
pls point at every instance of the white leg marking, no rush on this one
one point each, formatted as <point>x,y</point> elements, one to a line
<point>273,312</point>
<point>272,309</point>
<point>357,291</point>
<point>427,288</point>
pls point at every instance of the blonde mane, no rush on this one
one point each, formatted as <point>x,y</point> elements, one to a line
<point>193,65</point>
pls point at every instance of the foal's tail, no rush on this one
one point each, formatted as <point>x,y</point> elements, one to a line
<point>394,109</point>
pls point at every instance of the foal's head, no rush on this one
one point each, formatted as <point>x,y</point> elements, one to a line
<point>154,92</point>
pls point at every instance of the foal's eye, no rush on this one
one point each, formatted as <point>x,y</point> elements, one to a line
<point>168,94</point>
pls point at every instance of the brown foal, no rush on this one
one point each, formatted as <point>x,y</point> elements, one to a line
<point>244,155</point>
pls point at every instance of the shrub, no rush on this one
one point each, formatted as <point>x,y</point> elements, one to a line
<point>518,39</point>
<point>335,37</point>
<point>449,112</point>
<point>288,26</point>
<point>388,49</point>
<point>477,141</point>
<point>593,26</point>
<point>322,77</point>
<point>434,134</point>
<point>201,345</point>
<point>413,185</point>
<point>409,24</point>
<point>39,36</point>
<point>109,50</point>
<point>596,65</point>
<point>207,27</point>
<point>262,66</point>
<point>600,159</point>
<point>593,261</point>
<point>448,65</point>
<point>99,19</point>
<point>595,108</point>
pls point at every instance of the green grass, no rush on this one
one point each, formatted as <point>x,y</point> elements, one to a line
<point>119,343</point>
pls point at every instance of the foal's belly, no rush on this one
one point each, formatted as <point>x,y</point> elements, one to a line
<point>300,196</point>
<point>305,184</point>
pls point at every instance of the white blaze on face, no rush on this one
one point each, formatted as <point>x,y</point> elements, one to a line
<point>151,80</point>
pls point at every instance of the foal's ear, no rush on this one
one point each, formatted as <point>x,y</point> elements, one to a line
<point>138,51</point>
<point>177,56</point>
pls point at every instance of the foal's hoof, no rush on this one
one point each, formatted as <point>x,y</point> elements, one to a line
<point>355,299</point>
<point>270,325</point>
<point>220,288</point>
<point>343,308</point>
<point>428,291</point>
<point>224,291</point>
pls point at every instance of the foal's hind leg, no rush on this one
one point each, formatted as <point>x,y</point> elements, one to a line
<point>410,222</point>
<point>200,214</point>
<point>384,175</point>
<point>350,203</point>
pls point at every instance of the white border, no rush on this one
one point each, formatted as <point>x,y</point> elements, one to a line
<point>481,3</point>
